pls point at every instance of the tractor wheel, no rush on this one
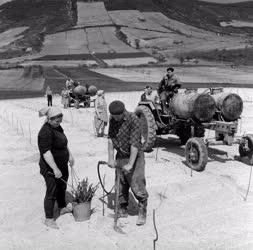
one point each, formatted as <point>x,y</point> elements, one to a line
<point>196,154</point>
<point>246,146</point>
<point>148,127</point>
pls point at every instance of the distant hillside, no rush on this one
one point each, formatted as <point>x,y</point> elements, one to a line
<point>197,13</point>
<point>42,17</point>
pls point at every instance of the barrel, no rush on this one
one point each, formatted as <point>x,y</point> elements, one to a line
<point>191,104</point>
<point>80,90</point>
<point>92,90</point>
<point>229,104</point>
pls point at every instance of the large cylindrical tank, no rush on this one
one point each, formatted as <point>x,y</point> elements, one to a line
<point>230,105</point>
<point>92,90</point>
<point>191,104</point>
<point>80,90</point>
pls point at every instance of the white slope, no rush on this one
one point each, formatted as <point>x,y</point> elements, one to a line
<point>205,211</point>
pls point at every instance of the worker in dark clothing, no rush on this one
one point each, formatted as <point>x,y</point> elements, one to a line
<point>168,86</point>
<point>49,95</point>
<point>124,136</point>
<point>54,158</point>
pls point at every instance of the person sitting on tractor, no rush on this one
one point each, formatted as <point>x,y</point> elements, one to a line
<point>149,95</point>
<point>168,86</point>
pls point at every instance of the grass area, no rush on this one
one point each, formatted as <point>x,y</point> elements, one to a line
<point>12,94</point>
<point>42,17</point>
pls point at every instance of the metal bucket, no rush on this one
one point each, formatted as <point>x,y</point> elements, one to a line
<point>82,211</point>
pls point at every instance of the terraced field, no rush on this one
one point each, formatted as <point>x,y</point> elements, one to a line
<point>21,80</point>
<point>11,35</point>
<point>92,14</point>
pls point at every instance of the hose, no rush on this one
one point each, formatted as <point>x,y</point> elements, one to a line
<point>100,179</point>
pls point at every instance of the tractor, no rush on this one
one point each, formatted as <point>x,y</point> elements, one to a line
<point>81,94</point>
<point>190,114</point>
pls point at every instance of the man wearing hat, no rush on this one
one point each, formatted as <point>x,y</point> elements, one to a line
<point>124,136</point>
<point>167,87</point>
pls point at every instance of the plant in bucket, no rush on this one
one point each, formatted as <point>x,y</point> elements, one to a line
<point>83,195</point>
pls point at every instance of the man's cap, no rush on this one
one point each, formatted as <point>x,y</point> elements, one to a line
<point>170,69</point>
<point>148,87</point>
<point>116,108</point>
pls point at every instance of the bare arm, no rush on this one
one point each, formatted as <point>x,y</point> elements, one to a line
<point>133,155</point>
<point>71,159</point>
<point>111,161</point>
<point>50,161</point>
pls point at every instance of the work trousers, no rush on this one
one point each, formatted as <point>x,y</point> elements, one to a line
<point>134,180</point>
<point>49,100</point>
<point>55,191</point>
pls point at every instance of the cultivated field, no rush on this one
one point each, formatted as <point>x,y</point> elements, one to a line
<point>203,211</point>
<point>10,36</point>
<point>92,14</point>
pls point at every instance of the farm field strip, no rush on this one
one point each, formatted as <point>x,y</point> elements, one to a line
<point>144,34</point>
<point>175,26</point>
<point>11,35</point>
<point>95,40</point>
<point>87,41</point>
<point>186,74</point>
<point>130,61</point>
<point>135,19</point>
<point>114,43</point>
<point>68,42</point>
<point>92,14</point>
<point>15,80</point>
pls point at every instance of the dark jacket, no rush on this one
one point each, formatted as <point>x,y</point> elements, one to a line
<point>53,139</point>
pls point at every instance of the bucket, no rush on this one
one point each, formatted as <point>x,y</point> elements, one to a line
<point>82,211</point>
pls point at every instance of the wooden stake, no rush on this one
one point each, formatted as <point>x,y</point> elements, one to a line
<point>245,199</point>
<point>156,232</point>
<point>30,137</point>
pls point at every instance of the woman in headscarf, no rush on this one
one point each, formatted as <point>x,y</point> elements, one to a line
<point>54,158</point>
<point>101,116</point>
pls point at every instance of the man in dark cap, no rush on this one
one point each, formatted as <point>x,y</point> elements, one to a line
<point>167,87</point>
<point>124,136</point>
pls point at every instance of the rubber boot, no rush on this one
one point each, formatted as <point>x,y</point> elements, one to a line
<point>142,214</point>
<point>122,213</point>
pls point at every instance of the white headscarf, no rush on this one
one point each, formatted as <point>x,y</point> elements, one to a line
<point>50,112</point>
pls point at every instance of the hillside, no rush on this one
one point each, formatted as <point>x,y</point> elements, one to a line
<point>166,30</point>
<point>41,18</point>
<point>197,13</point>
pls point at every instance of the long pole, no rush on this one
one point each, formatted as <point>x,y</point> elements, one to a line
<point>103,196</point>
<point>116,198</point>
